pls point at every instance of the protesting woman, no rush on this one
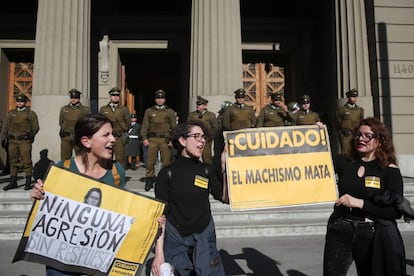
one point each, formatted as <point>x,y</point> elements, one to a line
<point>95,142</point>
<point>362,227</point>
<point>189,240</point>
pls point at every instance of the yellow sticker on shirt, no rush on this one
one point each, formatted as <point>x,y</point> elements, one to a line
<point>372,182</point>
<point>201,182</point>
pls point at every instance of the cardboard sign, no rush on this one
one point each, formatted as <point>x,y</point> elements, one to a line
<point>279,166</point>
<point>85,226</point>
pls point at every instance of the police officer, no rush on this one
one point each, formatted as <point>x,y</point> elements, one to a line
<point>21,127</point>
<point>120,118</point>
<point>239,115</point>
<point>132,149</point>
<point>273,114</point>
<point>157,122</point>
<point>348,117</point>
<point>305,116</point>
<point>69,115</point>
<point>210,121</point>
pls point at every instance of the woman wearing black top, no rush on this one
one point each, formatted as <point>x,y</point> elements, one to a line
<point>189,240</point>
<point>362,226</point>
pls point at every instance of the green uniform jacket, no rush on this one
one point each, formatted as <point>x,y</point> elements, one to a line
<point>238,117</point>
<point>23,122</point>
<point>272,116</point>
<point>208,118</point>
<point>348,116</point>
<point>158,120</point>
<point>69,115</point>
<point>120,118</point>
<point>303,117</point>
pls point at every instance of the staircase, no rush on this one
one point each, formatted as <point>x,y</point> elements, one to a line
<point>288,221</point>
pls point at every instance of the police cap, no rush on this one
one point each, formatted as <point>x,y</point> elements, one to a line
<point>21,97</point>
<point>116,91</point>
<point>74,93</point>
<point>305,99</point>
<point>201,100</point>
<point>276,97</point>
<point>240,93</point>
<point>352,93</point>
<point>160,94</point>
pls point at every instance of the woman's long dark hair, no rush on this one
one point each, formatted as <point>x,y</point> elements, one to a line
<point>385,153</point>
<point>87,126</point>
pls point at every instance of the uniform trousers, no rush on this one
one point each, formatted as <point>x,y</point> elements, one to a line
<point>66,147</point>
<point>155,145</point>
<point>345,241</point>
<point>20,152</point>
<point>207,155</point>
<point>119,150</point>
<point>345,143</point>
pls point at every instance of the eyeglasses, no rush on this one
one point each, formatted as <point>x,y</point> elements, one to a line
<point>365,136</point>
<point>197,136</point>
<point>240,97</point>
<point>116,95</point>
<point>74,97</point>
<point>160,97</point>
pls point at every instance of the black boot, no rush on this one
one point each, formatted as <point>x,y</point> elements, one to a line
<point>149,183</point>
<point>133,165</point>
<point>28,185</point>
<point>12,184</point>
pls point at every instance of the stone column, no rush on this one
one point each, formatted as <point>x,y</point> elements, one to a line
<point>61,62</point>
<point>352,49</point>
<point>216,54</point>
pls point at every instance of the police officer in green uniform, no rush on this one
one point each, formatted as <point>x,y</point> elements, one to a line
<point>210,121</point>
<point>155,131</point>
<point>305,116</point>
<point>348,117</point>
<point>21,127</point>
<point>121,119</point>
<point>69,115</point>
<point>273,114</point>
<point>239,115</point>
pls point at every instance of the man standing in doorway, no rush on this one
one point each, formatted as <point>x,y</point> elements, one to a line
<point>210,120</point>
<point>274,114</point>
<point>21,127</point>
<point>305,116</point>
<point>155,131</point>
<point>69,115</point>
<point>120,118</point>
<point>239,115</point>
<point>348,117</point>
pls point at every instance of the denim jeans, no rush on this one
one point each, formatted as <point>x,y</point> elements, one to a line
<point>348,241</point>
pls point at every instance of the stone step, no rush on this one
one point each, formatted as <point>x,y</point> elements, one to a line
<point>283,221</point>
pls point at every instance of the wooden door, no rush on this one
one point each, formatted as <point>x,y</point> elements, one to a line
<point>260,80</point>
<point>20,81</point>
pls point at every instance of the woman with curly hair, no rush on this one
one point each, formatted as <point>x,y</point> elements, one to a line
<point>362,227</point>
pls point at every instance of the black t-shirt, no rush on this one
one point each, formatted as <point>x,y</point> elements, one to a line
<point>186,185</point>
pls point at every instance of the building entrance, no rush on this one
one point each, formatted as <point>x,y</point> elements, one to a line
<point>260,80</point>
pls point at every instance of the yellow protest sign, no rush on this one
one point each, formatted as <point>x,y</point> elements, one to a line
<point>281,166</point>
<point>85,226</point>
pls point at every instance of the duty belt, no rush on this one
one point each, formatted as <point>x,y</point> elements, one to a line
<point>19,137</point>
<point>158,135</point>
